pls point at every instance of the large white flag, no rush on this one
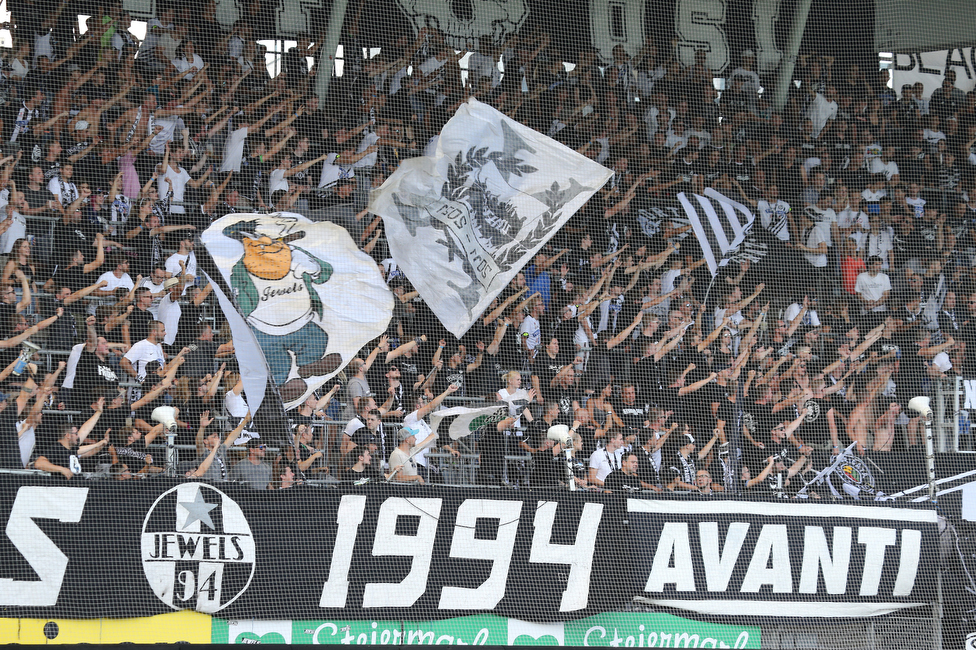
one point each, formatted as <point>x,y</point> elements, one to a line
<point>309,297</point>
<point>463,221</point>
<point>719,223</point>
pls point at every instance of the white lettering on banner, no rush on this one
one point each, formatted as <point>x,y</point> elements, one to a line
<point>765,13</point>
<point>875,541</point>
<point>420,547</point>
<point>930,67</point>
<point>672,542</point>
<point>62,504</point>
<point>348,518</point>
<point>817,555</point>
<point>719,568</point>
<point>769,562</point>
<point>773,543</point>
<point>911,547</point>
<point>579,556</point>
<point>699,25</point>
<point>498,551</point>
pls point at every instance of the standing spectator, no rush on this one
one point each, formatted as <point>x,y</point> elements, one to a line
<point>605,460</point>
<point>873,288</point>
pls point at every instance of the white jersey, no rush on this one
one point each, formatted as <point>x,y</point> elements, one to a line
<point>285,306</point>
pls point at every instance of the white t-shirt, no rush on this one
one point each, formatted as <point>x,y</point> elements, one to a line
<point>234,151</point>
<point>917,205</point>
<point>235,404</point>
<point>604,462</point>
<point>114,282</point>
<point>142,353</point>
<point>411,421</point>
<point>773,218</point>
<point>179,179</point>
<point>810,318</point>
<point>878,166</point>
<point>17,229</point>
<point>530,326</point>
<point>173,264</point>
<point>158,144</point>
<point>169,315</point>
<point>817,235</point>
<point>184,64</point>
<point>872,288</point>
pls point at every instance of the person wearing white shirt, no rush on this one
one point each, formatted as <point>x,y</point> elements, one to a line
<point>885,164</point>
<point>170,311</point>
<point>822,110</point>
<point>61,186</point>
<point>187,59</point>
<point>915,202</point>
<point>605,460</point>
<point>873,287</point>
<point>878,242</point>
<point>117,277</point>
<point>143,352</point>
<point>183,254</point>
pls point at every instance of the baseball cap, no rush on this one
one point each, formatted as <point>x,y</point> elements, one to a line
<point>170,283</point>
<point>254,443</point>
<point>748,54</point>
<point>81,125</point>
<point>405,433</point>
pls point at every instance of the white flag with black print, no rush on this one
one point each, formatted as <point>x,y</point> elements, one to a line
<point>463,221</point>
<point>303,300</point>
<point>464,421</point>
<point>719,223</point>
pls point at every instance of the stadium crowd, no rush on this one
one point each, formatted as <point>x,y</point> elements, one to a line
<point>855,294</point>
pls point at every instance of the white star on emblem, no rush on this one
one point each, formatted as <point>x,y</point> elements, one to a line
<point>198,510</point>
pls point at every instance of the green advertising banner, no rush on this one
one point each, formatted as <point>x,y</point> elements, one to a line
<point>652,630</point>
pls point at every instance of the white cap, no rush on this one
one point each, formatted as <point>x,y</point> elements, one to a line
<point>748,54</point>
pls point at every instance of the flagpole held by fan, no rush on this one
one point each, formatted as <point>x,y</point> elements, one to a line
<point>921,406</point>
<point>166,415</point>
<point>562,435</point>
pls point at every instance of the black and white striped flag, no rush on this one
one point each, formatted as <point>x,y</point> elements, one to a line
<point>720,224</point>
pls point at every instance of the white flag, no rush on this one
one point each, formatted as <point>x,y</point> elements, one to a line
<point>462,222</point>
<point>468,420</point>
<point>309,296</point>
<point>719,223</point>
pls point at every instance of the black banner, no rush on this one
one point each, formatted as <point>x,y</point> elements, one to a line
<point>108,549</point>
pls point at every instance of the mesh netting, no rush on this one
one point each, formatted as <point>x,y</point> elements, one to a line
<point>613,322</point>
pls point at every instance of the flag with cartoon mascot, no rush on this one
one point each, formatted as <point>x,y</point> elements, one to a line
<point>303,299</point>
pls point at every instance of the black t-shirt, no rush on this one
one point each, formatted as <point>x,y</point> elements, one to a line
<point>546,368</point>
<point>139,321</point>
<point>620,482</point>
<point>91,372</point>
<point>71,237</point>
<point>134,455</point>
<point>200,362</point>
<point>74,277</point>
<point>632,415</point>
<point>62,457</point>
